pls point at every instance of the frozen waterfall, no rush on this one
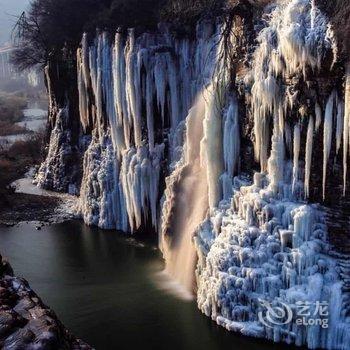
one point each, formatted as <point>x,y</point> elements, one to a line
<point>221,156</point>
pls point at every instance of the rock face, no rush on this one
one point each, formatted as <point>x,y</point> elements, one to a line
<point>61,170</point>
<point>25,322</point>
<point>339,12</point>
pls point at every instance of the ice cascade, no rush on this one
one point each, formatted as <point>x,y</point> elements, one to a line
<point>152,75</point>
<point>263,252</point>
<point>170,130</point>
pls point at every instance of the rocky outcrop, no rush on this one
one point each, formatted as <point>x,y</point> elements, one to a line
<point>25,321</point>
<point>338,12</point>
<point>61,171</point>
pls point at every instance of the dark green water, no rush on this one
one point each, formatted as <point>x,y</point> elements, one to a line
<point>102,286</point>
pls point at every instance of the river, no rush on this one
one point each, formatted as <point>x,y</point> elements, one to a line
<point>103,287</point>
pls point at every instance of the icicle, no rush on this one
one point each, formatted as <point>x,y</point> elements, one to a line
<point>83,81</point>
<point>288,137</point>
<point>96,66</point>
<point>308,155</point>
<point>123,122</point>
<point>318,114</point>
<point>276,161</point>
<point>296,151</point>
<point>108,110</point>
<point>149,98</point>
<point>149,109</point>
<point>211,144</point>
<point>231,141</point>
<point>264,95</point>
<point>327,138</point>
<point>133,93</point>
<point>346,126</point>
<point>174,94</point>
<point>340,127</point>
<point>160,82</point>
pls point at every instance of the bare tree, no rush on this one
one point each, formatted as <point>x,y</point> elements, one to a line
<point>51,29</point>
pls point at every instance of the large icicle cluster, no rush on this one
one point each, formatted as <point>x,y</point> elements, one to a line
<point>263,248</point>
<point>296,40</point>
<point>134,94</point>
<point>263,244</point>
<point>103,203</point>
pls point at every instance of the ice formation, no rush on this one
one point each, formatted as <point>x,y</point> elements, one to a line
<point>318,114</point>
<point>327,138</point>
<point>265,245</point>
<point>261,248</point>
<point>119,82</point>
<point>308,155</point>
<point>346,124</point>
<point>162,125</point>
<point>53,173</point>
<point>295,39</point>
<point>296,152</point>
<point>231,147</point>
<point>340,125</point>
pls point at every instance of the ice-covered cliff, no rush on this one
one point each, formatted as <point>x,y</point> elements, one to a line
<point>171,133</point>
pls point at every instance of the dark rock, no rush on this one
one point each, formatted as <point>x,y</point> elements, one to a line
<point>25,321</point>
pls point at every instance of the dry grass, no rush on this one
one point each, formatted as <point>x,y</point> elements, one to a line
<point>15,161</point>
<point>7,128</point>
<point>11,107</point>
